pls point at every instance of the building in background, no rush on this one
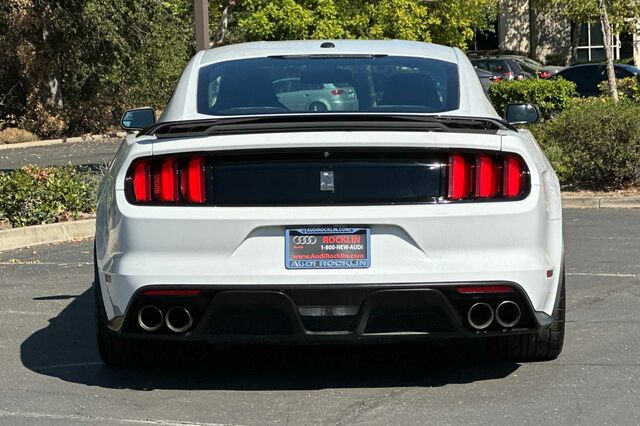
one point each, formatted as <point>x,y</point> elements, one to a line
<point>553,37</point>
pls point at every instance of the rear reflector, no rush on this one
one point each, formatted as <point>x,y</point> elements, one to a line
<point>165,181</point>
<point>142,181</point>
<point>192,179</point>
<point>160,292</point>
<point>480,289</point>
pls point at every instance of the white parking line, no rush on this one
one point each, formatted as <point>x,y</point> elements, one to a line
<point>592,274</point>
<point>93,419</point>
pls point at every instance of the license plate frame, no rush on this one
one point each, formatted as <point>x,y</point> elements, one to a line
<point>343,251</point>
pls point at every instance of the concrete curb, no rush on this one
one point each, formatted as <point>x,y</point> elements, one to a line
<point>49,142</point>
<point>601,203</point>
<point>45,234</point>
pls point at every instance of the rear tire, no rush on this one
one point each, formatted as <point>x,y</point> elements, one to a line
<point>318,107</point>
<point>545,345</point>
<point>119,351</point>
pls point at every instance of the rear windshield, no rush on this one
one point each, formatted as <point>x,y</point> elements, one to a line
<point>343,84</point>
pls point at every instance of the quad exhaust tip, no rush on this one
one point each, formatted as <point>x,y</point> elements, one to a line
<point>480,315</point>
<point>179,319</point>
<point>508,314</point>
<point>150,318</point>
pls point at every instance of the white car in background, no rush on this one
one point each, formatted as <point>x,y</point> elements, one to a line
<point>418,213</point>
<point>297,94</point>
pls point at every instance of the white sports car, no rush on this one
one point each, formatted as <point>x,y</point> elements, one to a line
<point>420,214</point>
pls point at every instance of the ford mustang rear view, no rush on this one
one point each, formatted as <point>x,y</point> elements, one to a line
<point>413,211</point>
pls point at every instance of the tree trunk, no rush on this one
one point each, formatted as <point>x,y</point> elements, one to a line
<point>576,33</point>
<point>606,32</point>
<point>533,29</point>
<point>224,22</point>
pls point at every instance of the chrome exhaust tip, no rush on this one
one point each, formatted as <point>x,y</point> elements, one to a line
<point>508,314</point>
<point>179,319</point>
<point>150,318</point>
<point>480,315</point>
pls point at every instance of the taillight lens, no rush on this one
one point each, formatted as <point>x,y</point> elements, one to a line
<point>485,176</point>
<point>165,181</point>
<point>192,181</point>
<point>460,177</point>
<point>142,181</point>
<point>168,180</point>
<point>512,177</point>
<point>337,92</point>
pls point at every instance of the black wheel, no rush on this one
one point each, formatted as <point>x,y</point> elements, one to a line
<point>542,346</point>
<point>119,351</point>
<point>318,107</point>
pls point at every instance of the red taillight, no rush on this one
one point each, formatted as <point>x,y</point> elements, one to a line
<point>192,181</point>
<point>165,181</point>
<point>337,92</point>
<point>544,74</point>
<point>168,180</point>
<point>484,289</point>
<point>487,177</point>
<point>460,177</point>
<point>160,292</point>
<point>142,181</point>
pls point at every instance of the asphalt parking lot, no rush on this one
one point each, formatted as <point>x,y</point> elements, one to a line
<point>92,153</point>
<point>51,373</point>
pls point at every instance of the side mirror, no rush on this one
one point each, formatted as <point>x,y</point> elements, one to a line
<point>138,119</point>
<point>522,114</point>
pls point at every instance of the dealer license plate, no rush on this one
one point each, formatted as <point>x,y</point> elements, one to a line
<point>327,248</point>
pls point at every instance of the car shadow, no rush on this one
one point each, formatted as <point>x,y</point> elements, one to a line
<point>66,349</point>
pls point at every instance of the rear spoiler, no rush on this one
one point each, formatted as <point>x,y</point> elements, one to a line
<point>324,123</point>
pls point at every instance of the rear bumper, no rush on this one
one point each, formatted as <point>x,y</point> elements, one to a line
<point>328,314</point>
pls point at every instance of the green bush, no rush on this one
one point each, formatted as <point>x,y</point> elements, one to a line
<point>552,96</point>
<point>595,144</point>
<point>37,195</point>
<point>628,88</point>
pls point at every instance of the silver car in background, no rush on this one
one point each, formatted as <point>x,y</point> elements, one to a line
<point>298,95</point>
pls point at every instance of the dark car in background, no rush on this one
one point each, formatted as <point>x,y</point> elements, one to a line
<point>506,68</point>
<point>587,77</point>
<point>486,78</point>
<point>534,67</point>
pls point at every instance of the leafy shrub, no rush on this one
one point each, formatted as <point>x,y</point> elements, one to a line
<point>16,135</point>
<point>37,195</point>
<point>628,88</point>
<point>552,96</point>
<point>595,144</point>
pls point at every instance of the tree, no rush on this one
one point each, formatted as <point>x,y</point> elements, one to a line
<point>75,65</point>
<point>606,32</point>
<point>450,22</point>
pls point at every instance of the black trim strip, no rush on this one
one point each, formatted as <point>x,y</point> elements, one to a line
<point>325,123</point>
